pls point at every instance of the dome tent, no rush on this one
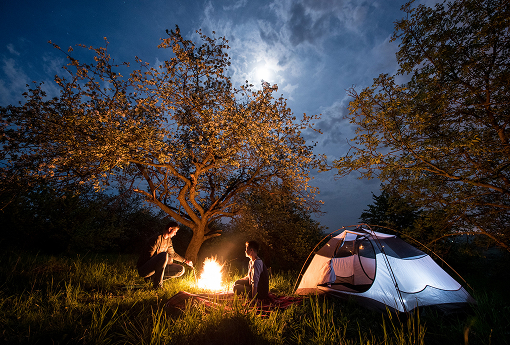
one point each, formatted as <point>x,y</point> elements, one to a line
<point>380,270</point>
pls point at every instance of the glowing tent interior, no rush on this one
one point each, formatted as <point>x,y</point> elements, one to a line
<point>381,270</point>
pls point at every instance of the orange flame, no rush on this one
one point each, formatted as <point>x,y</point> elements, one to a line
<point>211,277</point>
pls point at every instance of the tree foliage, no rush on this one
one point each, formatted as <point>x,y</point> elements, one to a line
<point>442,139</point>
<point>284,227</point>
<point>179,134</point>
<point>76,219</point>
<point>423,228</point>
<point>391,211</point>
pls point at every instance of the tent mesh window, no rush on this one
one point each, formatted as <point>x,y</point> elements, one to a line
<point>399,249</point>
<point>363,257</point>
<point>345,249</point>
<point>366,249</point>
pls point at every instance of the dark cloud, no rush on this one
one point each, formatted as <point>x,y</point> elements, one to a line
<point>268,35</point>
<point>284,60</point>
<point>344,200</point>
<point>304,28</point>
<point>300,25</point>
<point>337,130</point>
<point>323,5</point>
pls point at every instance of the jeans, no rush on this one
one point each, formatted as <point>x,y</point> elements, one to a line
<point>157,268</point>
<point>243,286</point>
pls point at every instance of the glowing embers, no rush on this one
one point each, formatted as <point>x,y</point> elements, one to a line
<point>211,277</point>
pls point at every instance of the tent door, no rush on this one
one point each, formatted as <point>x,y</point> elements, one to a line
<point>354,265</point>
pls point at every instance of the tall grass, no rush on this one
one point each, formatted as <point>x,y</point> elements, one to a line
<point>321,325</point>
<point>103,320</point>
<point>100,300</point>
<point>410,332</point>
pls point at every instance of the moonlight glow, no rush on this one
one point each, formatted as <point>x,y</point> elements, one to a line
<point>264,72</point>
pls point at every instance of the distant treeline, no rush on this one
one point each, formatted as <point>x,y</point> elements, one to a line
<point>78,219</point>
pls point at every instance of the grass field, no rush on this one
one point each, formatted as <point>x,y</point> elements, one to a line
<point>87,299</point>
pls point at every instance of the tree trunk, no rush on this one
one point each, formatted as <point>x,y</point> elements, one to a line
<point>195,243</point>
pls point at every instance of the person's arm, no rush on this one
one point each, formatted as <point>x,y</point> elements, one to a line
<point>249,276</point>
<point>258,266</point>
<point>171,252</point>
<point>183,260</point>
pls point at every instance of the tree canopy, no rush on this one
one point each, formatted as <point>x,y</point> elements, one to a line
<point>442,139</point>
<point>179,134</point>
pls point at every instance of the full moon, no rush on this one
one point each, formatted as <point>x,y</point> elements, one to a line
<point>263,72</point>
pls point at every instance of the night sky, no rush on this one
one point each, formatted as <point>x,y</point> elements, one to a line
<point>312,49</point>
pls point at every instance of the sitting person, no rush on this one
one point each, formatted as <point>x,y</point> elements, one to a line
<point>157,258</point>
<point>256,283</point>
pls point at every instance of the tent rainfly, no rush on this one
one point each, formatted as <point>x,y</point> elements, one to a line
<point>380,271</point>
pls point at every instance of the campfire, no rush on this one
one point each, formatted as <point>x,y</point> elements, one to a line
<point>211,277</point>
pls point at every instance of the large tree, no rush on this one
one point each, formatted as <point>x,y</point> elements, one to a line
<point>179,134</point>
<point>442,138</point>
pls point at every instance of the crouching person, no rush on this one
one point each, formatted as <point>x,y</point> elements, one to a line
<point>156,261</point>
<point>256,283</point>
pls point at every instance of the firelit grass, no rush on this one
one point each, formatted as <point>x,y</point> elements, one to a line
<point>99,299</point>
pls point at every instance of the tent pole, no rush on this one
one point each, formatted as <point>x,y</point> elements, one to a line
<point>395,283</point>
<point>300,272</point>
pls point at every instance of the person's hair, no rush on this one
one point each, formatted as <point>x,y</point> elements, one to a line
<point>253,245</point>
<point>171,224</point>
